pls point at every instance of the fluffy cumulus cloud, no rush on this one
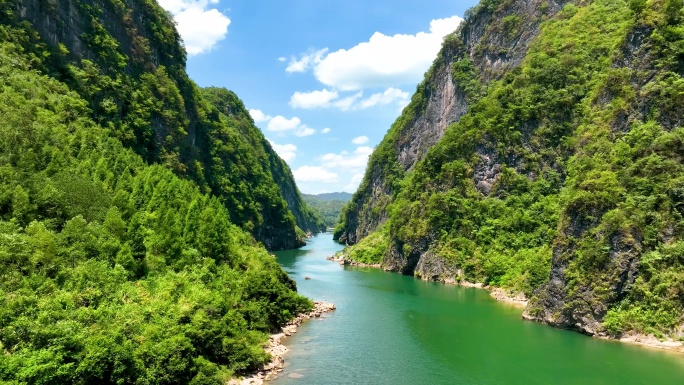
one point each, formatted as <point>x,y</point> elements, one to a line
<point>200,25</point>
<point>331,99</point>
<point>314,174</point>
<point>306,60</point>
<point>355,161</point>
<point>314,178</point>
<point>281,125</point>
<point>294,125</point>
<point>259,116</point>
<point>390,95</point>
<point>286,151</point>
<point>360,140</point>
<point>312,99</point>
<point>326,130</point>
<point>383,61</point>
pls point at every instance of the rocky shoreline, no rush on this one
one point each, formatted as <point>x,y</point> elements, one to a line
<point>650,341</point>
<point>348,262</point>
<point>520,300</point>
<point>276,348</point>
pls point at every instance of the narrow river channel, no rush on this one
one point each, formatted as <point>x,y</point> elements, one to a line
<point>393,329</point>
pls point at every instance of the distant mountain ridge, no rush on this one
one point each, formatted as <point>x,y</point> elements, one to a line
<point>335,196</point>
<point>328,205</point>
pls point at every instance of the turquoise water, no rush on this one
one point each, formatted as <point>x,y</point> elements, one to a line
<point>392,329</point>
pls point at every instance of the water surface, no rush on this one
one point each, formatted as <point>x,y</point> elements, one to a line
<point>393,329</point>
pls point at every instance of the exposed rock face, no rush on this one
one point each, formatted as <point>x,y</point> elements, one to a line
<point>444,101</point>
<point>133,47</point>
<point>445,183</point>
<point>585,309</point>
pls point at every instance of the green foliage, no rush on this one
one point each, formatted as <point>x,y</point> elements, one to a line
<point>129,66</point>
<point>576,154</point>
<point>113,270</point>
<point>328,210</point>
<point>371,249</point>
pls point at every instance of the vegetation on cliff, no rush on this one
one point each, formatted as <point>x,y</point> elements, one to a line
<point>563,180</point>
<point>125,59</point>
<point>125,196</point>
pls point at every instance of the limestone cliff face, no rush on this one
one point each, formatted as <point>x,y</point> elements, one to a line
<point>440,100</point>
<point>543,154</point>
<point>126,59</point>
<point>562,301</point>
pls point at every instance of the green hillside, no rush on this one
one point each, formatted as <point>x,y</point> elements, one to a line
<point>328,206</point>
<point>127,199</point>
<point>562,179</point>
<point>125,59</point>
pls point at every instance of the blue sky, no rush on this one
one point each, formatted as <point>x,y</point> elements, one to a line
<point>323,79</point>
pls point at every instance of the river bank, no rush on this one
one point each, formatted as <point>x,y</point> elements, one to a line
<point>521,301</point>
<point>277,350</point>
<point>503,295</point>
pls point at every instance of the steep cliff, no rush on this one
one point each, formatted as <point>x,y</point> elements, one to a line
<point>559,173</point>
<point>126,60</point>
<point>492,40</point>
<point>114,270</point>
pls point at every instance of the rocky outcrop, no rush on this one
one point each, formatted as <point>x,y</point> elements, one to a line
<point>493,47</point>
<point>127,60</point>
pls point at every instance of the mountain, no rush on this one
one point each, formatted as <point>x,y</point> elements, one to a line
<point>542,154</point>
<point>336,196</point>
<point>328,205</point>
<point>125,59</point>
<point>130,200</point>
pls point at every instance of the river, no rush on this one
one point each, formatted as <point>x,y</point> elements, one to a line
<point>393,329</point>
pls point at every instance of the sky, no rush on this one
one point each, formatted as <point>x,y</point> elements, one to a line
<point>323,79</point>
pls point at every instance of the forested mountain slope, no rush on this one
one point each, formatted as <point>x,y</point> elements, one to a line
<point>559,172</point>
<point>329,205</point>
<point>125,59</point>
<point>127,198</point>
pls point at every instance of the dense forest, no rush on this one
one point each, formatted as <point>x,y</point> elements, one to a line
<point>125,59</point>
<point>560,173</point>
<point>130,200</point>
<point>328,206</point>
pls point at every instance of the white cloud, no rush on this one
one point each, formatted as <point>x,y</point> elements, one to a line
<point>327,99</point>
<point>281,123</point>
<point>294,124</point>
<point>306,61</point>
<point>356,160</point>
<point>282,59</point>
<point>314,174</point>
<point>259,116</point>
<point>354,182</point>
<point>304,131</point>
<point>382,61</point>
<point>326,130</point>
<point>360,140</point>
<point>286,151</point>
<point>384,98</point>
<point>200,27</point>
<point>312,99</point>
<point>347,103</point>
<point>353,163</point>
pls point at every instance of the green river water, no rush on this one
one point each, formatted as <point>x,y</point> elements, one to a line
<point>393,329</point>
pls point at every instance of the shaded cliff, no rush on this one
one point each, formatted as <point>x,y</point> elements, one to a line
<point>126,60</point>
<point>114,270</point>
<point>559,173</point>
